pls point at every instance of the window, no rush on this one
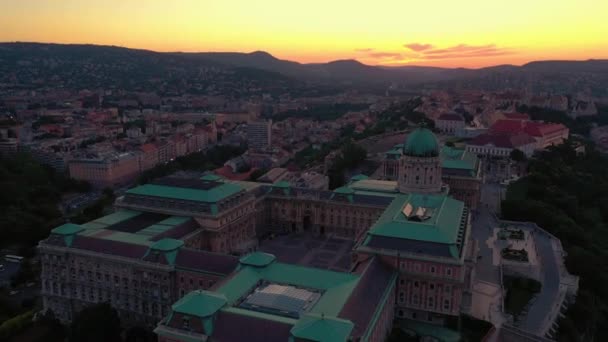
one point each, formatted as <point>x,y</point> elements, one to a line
<point>431,302</point>
<point>431,286</point>
<point>446,304</point>
<point>448,272</point>
<point>416,284</point>
<point>433,269</point>
<point>447,289</point>
<point>186,323</point>
<point>417,267</point>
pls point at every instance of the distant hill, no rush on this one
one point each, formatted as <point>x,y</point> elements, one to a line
<point>94,63</point>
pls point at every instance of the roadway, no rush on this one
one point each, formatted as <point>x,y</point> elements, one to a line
<point>535,320</point>
<point>483,223</point>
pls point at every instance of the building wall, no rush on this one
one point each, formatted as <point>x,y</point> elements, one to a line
<point>428,290</point>
<point>449,126</point>
<point>187,281</point>
<point>72,281</point>
<point>466,189</point>
<point>259,134</point>
<point>421,175</point>
<point>105,173</point>
<point>344,220</point>
<point>384,324</point>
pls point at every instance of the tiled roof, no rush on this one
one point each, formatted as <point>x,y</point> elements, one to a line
<point>367,296</point>
<point>508,126</point>
<point>148,148</point>
<point>516,116</point>
<point>502,140</point>
<point>111,247</point>
<point>450,117</point>
<point>202,261</point>
<point>532,128</point>
<point>232,327</point>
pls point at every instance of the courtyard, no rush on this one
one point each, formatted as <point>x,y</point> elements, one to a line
<point>304,249</point>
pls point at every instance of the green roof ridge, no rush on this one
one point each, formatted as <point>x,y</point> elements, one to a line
<point>167,245</point>
<point>318,327</point>
<point>211,177</point>
<point>359,177</point>
<point>67,229</point>
<point>257,259</point>
<point>200,303</point>
<point>282,184</point>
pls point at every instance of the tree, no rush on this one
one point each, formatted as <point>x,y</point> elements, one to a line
<point>517,155</point>
<point>96,323</point>
<point>139,334</point>
<point>566,194</point>
<point>257,174</point>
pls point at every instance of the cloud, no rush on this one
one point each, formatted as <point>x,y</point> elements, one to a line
<point>364,50</point>
<point>418,47</point>
<point>466,51</point>
<point>380,54</point>
<point>428,51</point>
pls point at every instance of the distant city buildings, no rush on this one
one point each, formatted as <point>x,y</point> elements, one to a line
<point>259,134</point>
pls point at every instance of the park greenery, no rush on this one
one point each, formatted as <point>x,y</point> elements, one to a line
<point>29,198</point>
<point>349,157</point>
<point>519,293</point>
<point>566,193</point>
<point>96,323</point>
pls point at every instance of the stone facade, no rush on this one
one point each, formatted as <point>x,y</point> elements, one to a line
<point>419,175</point>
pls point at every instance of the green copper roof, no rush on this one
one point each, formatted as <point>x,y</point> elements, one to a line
<point>344,190</point>
<point>67,229</point>
<point>359,177</point>
<point>212,195</point>
<point>421,143</point>
<point>200,303</point>
<point>167,245</point>
<point>336,286</point>
<point>315,327</point>
<point>441,226</point>
<point>458,158</point>
<point>211,177</point>
<point>257,259</point>
<point>282,184</point>
<point>373,185</point>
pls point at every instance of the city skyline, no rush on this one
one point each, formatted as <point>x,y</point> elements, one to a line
<point>470,34</point>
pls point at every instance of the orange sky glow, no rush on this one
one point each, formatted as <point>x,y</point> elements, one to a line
<point>465,33</point>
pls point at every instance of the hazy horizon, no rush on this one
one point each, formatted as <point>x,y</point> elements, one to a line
<point>470,33</point>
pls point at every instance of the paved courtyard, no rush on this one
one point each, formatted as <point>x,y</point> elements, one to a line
<point>302,249</point>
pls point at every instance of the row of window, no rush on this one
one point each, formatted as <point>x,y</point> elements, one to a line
<point>417,267</point>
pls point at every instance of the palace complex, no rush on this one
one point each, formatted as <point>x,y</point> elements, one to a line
<point>183,255</point>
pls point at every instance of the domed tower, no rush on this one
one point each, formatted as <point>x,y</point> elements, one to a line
<point>420,165</point>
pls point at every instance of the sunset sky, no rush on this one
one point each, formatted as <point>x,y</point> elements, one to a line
<point>464,33</point>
